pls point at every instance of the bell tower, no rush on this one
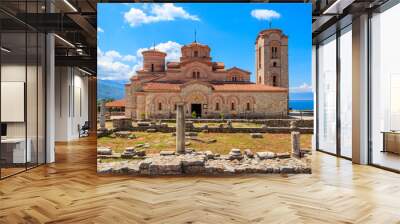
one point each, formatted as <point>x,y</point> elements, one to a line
<point>271,49</point>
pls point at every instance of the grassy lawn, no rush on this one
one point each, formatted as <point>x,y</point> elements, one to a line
<point>225,142</point>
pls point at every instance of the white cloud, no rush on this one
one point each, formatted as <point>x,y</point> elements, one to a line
<point>265,14</point>
<point>303,88</point>
<point>129,58</point>
<point>100,30</point>
<point>157,13</point>
<point>114,66</point>
<point>110,65</point>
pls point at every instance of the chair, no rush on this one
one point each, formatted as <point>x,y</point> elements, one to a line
<point>84,130</point>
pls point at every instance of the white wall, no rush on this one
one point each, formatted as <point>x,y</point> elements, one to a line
<point>71,103</point>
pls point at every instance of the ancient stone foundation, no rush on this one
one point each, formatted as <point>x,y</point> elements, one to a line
<point>207,163</point>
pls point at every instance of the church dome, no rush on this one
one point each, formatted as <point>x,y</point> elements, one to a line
<point>195,50</point>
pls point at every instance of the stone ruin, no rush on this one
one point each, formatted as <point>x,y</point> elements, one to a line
<point>186,161</point>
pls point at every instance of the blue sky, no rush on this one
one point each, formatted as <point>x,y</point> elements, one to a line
<point>124,30</point>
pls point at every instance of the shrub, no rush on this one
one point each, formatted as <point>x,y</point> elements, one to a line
<point>143,115</point>
<point>194,115</point>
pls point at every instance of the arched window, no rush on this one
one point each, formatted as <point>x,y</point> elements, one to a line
<point>159,106</point>
<point>274,52</point>
<point>175,107</point>
<point>232,106</point>
<point>196,53</point>
<point>274,64</point>
<point>217,106</point>
<point>259,57</point>
<point>274,81</point>
<point>196,74</point>
<point>247,106</point>
<point>234,78</point>
<point>152,67</point>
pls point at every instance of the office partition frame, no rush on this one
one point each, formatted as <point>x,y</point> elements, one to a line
<point>382,8</point>
<point>29,30</point>
<point>334,30</point>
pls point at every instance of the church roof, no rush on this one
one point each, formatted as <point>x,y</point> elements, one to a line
<point>116,103</point>
<point>193,44</point>
<point>156,86</point>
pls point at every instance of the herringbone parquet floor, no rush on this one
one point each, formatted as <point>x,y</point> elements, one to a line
<point>69,191</point>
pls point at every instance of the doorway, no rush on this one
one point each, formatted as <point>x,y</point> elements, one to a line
<point>196,107</point>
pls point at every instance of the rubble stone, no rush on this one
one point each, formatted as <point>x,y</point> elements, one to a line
<point>167,153</point>
<point>249,153</point>
<point>104,151</point>
<point>266,155</point>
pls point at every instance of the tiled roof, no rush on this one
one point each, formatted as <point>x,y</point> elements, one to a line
<point>153,86</point>
<point>248,88</point>
<point>116,103</point>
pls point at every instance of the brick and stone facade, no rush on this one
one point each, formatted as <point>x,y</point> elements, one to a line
<point>206,87</point>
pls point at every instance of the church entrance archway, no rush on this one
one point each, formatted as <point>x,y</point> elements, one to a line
<point>196,107</point>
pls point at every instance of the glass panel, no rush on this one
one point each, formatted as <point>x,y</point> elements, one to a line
<point>31,98</point>
<point>41,99</point>
<point>327,95</point>
<point>13,87</point>
<point>385,92</point>
<point>346,93</point>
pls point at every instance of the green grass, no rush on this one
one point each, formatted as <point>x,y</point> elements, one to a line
<point>225,142</point>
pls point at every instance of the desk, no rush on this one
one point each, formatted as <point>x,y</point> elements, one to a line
<point>391,141</point>
<point>13,150</point>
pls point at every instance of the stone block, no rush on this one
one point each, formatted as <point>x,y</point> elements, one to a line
<point>249,153</point>
<point>165,166</point>
<point>235,157</point>
<point>191,160</point>
<point>144,165</point>
<point>140,153</point>
<point>266,155</point>
<point>130,150</point>
<point>125,155</point>
<point>287,169</point>
<point>167,153</point>
<point>143,124</point>
<point>193,170</point>
<point>209,155</point>
<point>151,130</point>
<point>283,155</point>
<point>122,124</point>
<point>104,151</point>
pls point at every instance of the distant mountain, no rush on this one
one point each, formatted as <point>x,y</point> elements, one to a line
<point>301,96</point>
<point>114,89</point>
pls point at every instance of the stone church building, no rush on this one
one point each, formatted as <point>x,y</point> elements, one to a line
<point>207,88</point>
